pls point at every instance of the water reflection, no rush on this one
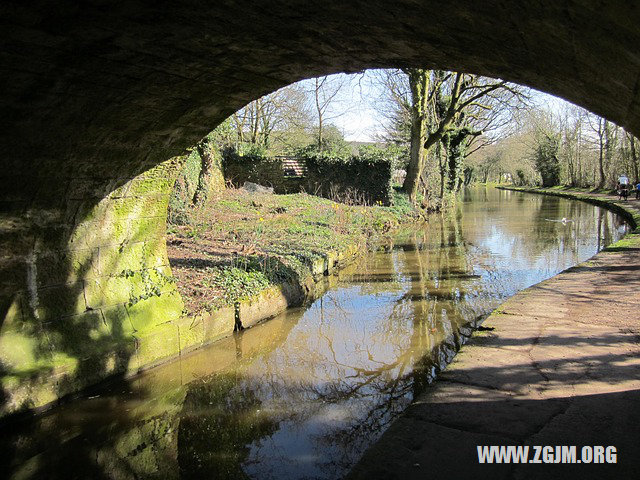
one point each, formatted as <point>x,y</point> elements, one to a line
<point>303,395</point>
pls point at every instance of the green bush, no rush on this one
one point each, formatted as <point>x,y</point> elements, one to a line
<point>365,178</point>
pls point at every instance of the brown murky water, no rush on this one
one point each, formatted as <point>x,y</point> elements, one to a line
<point>303,395</point>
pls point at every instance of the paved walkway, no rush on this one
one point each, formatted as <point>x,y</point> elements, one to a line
<point>561,367</point>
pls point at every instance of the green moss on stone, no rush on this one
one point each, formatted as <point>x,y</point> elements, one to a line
<point>191,332</point>
<point>108,291</point>
<point>117,318</point>
<point>18,352</point>
<point>158,343</point>
<point>146,314</point>
<point>150,185</point>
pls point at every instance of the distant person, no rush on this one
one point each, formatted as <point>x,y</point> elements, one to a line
<point>623,187</point>
<point>637,189</point>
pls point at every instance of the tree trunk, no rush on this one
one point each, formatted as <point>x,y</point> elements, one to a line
<point>319,110</point>
<point>634,157</point>
<point>207,178</point>
<point>602,126</point>
<point>442,168</point>
<point>419,84</point>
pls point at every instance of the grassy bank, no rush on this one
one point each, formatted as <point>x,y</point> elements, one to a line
<point>243,243</point>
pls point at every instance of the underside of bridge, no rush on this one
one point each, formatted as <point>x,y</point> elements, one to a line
<point>98,96</point>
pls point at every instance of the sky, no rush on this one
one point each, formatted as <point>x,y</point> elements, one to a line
<point>355,110</point>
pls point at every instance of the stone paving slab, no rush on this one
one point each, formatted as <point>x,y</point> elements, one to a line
<point>561,367</point>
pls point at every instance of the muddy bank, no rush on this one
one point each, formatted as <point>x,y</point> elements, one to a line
<point>559,364</point>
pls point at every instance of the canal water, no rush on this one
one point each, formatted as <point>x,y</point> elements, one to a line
<point>303,395</point>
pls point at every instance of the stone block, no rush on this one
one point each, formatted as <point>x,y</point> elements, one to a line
<point>190,332</point>
<point>26,391</point>
<point>119,189</point>
<point>154,206</point>
<point>53,236</point>
<point>146,314</point>
<point>12,307</point>
<point>79,335</point>
<point>15,244</point>
<point>23,347</point>
<point>268,303</point>
<point>84,188</point>
<point>218,324</point>
<point>90,210</point>
<point>150,185</point>
<point>118,321</point>
<point>94,234</point>
<point>156,253</point>
<point>18,350</point>
<point>59,301</point>
<point>124,257</point>
<point>129,287</point>
<point>120,208</point>
<point>58,267</point>
<point>72,372</point>
<point>83,263</point>
<point>14,272</point>
<point>51,268</point>
<point>145,229</point>
<point>156,345</point>
<point>108,291</point>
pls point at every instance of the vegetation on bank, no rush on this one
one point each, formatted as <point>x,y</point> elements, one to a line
<point>362,176</point>
<point>241,243</point>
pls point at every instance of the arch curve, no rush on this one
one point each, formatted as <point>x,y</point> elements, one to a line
<point>97,95</point>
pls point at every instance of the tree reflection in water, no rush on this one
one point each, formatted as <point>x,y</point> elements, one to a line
<point>219,420</point>
<point>303,396</point>
<point>353,361</point>
<point>359,355</point>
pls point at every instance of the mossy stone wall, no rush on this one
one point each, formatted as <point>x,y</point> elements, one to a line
<point>76,311</point>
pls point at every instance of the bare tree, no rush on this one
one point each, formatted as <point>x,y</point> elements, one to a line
<point>324,93</point>
<point>605,139</point>
<point>629,155</point>
<point>273,117</point>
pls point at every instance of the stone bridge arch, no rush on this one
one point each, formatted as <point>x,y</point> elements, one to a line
<point>97,95</point>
